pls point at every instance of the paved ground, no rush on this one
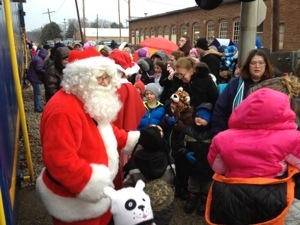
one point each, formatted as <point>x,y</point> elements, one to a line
<point>32,212</point>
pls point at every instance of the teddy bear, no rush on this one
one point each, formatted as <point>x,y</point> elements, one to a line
<point>130,206</point>
<point>181,98</point>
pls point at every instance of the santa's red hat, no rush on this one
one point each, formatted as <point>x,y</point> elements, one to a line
<point>124,62</point>
<point>87,53</point>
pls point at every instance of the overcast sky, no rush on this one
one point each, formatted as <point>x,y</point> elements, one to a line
<point>62,10</point>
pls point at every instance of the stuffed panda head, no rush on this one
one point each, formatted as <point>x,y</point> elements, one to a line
<point>130,206</point>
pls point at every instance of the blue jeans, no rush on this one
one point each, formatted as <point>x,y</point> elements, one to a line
<point>37,96</point>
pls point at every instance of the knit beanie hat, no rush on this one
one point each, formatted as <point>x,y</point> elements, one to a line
<point>181,98</point>
<point>104,47</point>
<point>153,88</point>
<point>202,43</point>
<point>204,114</point>
<point>151,138</point>
<point>58,45</point>
<point>62,52</point>
<point>143,64</point>
<point>194,51</point>
<point>204,111</point>
<point>130,205</point>
<point>124,62</point>
<point>142,52</point>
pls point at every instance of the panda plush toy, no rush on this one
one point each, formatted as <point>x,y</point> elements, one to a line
<point>130,206</point>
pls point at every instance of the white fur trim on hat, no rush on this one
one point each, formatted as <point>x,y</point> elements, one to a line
<point>129,71</point>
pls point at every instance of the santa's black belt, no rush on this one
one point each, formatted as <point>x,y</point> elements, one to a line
<point>51,178</point>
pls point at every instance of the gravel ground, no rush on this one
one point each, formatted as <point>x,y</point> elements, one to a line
<point>30,209</point>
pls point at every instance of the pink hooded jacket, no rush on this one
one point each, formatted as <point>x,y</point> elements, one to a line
<point>261,140</point>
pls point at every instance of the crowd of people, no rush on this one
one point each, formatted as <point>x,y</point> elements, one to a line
<point>209,114</point>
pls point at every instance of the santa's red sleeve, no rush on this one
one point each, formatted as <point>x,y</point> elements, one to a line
<point>126,140</point>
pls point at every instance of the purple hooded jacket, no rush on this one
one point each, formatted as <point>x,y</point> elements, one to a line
<point>36,71</point>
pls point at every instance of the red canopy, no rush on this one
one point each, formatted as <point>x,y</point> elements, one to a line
<point>160,43</point>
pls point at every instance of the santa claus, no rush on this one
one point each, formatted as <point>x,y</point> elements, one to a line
<point>80,146</point>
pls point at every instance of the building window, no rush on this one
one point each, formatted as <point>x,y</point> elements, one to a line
<point>236,31</point>
<point>166,32</point>
<point>281,35</point>
<point>160,32</point>
<point>174,34</point>
<point>153,32</point>
<point>210,31</point>
<point>133,37</point>
<point>137,36</point>
<point>196,32</point>
<point>259,31</point>
<point>174,30</point>
<point>223,33</point>
<point>142,35</point>
<point>184,30</point>
<point>147,33</point>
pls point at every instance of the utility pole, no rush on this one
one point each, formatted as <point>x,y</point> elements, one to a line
<point>129,12</point>
<point>79,22</point>
<point>97,28</point>
<point>49,14</point>
<point>65,28</point>
<point>248,29</point>
<point>84,23</point>
<point>119,20</point>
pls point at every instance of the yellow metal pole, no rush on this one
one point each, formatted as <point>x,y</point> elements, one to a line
<point>13,57</point>
<point>2,214</point>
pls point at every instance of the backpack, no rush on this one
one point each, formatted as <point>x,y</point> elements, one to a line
<point>162,195</point>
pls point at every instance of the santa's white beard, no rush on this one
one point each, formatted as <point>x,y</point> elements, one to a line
<point>101,103</point>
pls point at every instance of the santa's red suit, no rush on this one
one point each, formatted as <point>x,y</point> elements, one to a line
<point>132,109</point>
<point>80,158</point>
<point>128,118</point>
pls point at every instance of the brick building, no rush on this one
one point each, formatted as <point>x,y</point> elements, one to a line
<point>222,22</point>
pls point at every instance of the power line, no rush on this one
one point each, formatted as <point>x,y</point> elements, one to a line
<point>60,7</point>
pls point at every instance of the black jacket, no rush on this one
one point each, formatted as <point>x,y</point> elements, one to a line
<point>213,61</point>
<point>201,88</point>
